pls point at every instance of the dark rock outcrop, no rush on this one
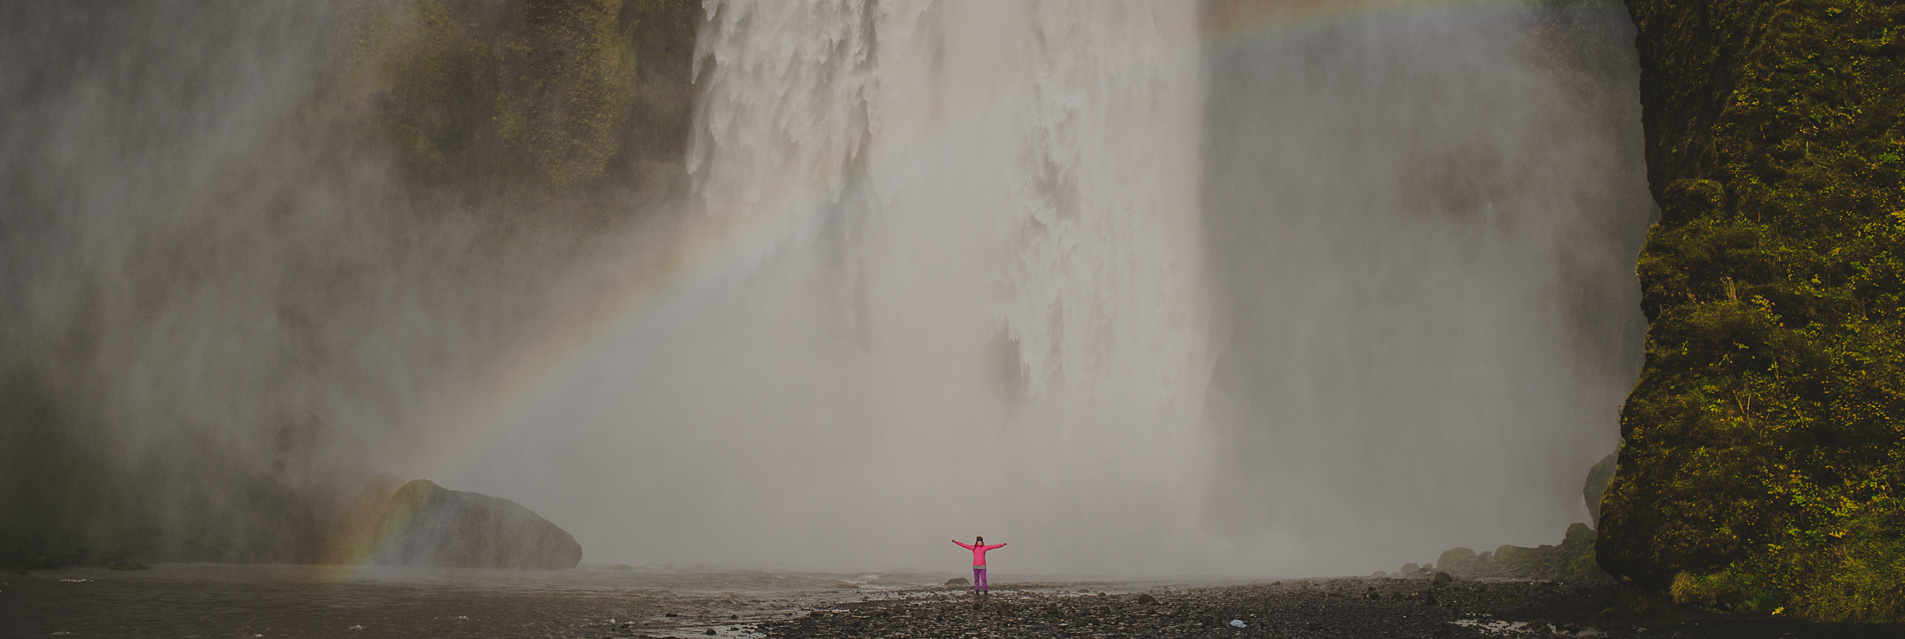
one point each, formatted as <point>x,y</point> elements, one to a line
<point>1763,449</point>
<point>1572,560</point>
<point>429,525</point>
<point>1595,487</point>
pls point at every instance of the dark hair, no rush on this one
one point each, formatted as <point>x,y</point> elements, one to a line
<point>980,538</point>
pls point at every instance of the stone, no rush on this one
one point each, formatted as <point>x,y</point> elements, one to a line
<point>1147,599</point>
<point>429,525</point>
<point>1461,561</point>
<point>1441,580</point>
<point>958,581</point>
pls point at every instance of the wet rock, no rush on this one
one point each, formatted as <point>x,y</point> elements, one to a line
<point>1298,608</point>
<point>429,525</point>
<point>1147,600</point>
<point>1461,561</point>
<point>1441,580</point>
<point>958,581</point>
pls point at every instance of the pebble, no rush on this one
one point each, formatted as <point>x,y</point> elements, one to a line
<point>1347,607</point>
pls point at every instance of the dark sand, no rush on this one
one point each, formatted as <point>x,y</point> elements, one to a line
<point>303,601</point>
<point>1344,607</point>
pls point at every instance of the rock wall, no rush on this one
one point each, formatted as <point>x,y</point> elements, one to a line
<point>515,93</point>
<point>1763,452</point>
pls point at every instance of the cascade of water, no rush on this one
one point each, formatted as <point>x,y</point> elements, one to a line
<point>960,294</point>
<point>986,266</point>
<point>1112,280</point>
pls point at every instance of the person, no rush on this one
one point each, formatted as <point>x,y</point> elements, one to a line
<point>978,548</point>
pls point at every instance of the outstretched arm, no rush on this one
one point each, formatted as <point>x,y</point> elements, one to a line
<point>962,545</point>
<point>995,546</point>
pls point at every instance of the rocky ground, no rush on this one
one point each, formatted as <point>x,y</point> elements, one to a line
<point>1345,607</point>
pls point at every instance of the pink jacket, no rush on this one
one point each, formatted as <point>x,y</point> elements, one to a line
<point>978,552</point>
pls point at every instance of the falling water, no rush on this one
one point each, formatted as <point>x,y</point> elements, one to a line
<point>1135,286</point>
<point>961,295</point>
<point>1012,269</point>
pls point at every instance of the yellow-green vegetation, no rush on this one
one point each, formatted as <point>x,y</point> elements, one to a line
<point>425,76</point>
<point>567,77</point>
<point>541,93</point>
<point>1764,451</point>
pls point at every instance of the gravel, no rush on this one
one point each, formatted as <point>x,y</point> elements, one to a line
<point>1346,607</point>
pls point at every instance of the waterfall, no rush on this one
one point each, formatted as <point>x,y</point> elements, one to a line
<point>957,292</point>
<point>1081,277</point>
<point>1234,286</point>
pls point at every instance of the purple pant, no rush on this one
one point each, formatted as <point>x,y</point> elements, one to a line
<point>979,578</point>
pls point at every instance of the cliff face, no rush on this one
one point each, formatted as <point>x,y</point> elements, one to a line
<point>1764,451</point>
<point>514,93</point>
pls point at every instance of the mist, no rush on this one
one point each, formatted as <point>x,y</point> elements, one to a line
<point>1267,289</point>
<point>1318,299</point>
<point>231,298</point>
<point>1422,225</point>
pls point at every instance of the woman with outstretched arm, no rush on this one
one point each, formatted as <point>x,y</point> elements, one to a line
<point>978,548</point>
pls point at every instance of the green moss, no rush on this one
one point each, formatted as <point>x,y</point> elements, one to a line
<point>1762,446</point>
<point>541,93</point>
<point>426,78</point>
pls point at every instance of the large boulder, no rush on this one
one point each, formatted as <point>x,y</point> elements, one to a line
<point>429,525</point>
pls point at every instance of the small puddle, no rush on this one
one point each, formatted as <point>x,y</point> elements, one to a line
<point>1499,628</point>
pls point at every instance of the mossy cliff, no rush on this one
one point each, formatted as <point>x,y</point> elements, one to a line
<point>550,94</point>
<point>1763,450</point>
